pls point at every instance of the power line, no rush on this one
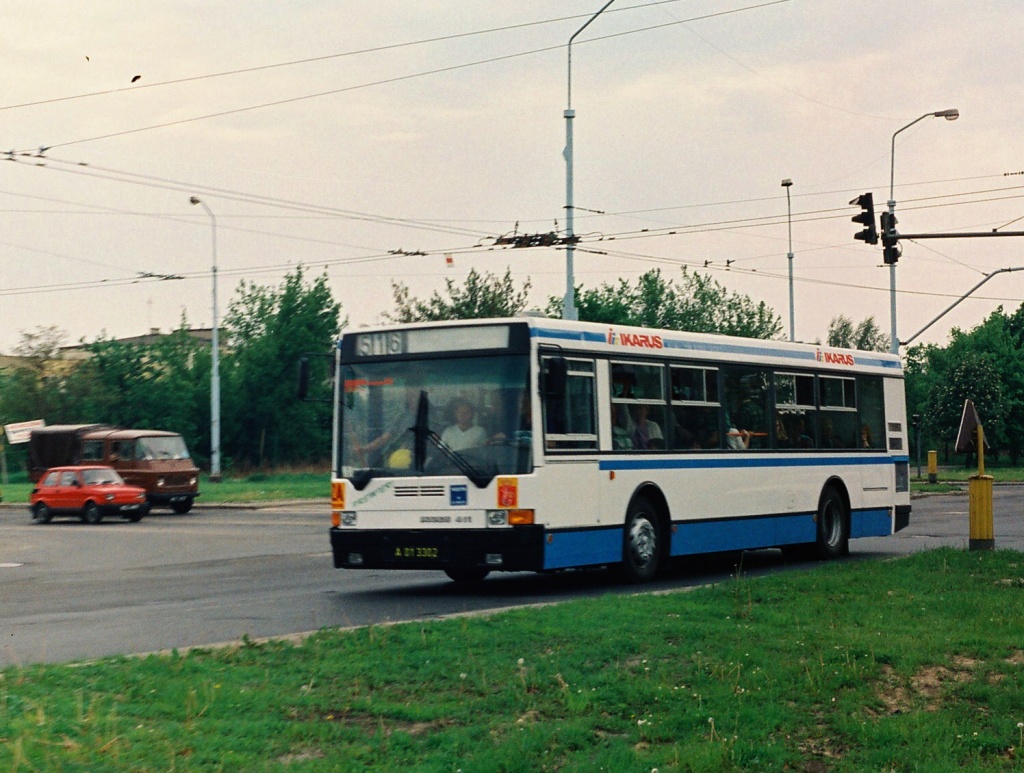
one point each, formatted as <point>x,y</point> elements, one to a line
<point>398,78</point>
<point>325,57</point>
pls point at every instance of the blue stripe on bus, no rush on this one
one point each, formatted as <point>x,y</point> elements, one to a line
<point>714,347</point>
<point>591,547</point>
<point>742,460</point>
<point>586,547</point>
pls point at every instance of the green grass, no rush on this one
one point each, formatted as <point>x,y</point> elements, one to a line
<point>1000,474</point>
<point>256,487</point>
<point>899,665</point>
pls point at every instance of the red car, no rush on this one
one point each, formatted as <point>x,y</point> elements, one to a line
<point>88,491</point>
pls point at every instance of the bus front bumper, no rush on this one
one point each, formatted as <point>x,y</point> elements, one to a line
<point>515,549</point>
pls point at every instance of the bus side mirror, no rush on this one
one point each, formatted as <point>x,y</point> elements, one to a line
<point>555,377</point>
<point>303,386</point>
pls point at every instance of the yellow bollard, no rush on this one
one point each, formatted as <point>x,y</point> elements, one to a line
<point>933,466</point>
<point>979,488</point>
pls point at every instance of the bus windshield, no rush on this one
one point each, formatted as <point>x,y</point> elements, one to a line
<point>451,416</point>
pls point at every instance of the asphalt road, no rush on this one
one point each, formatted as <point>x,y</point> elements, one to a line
<point>71,591</point>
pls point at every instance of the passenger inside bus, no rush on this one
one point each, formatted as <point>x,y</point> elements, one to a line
<point>622,428</point>
<point>646,433</point>
<point>397,434</point>
<point>463,433</point>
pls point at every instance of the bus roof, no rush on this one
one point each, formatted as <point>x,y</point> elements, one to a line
<point>651,342</point>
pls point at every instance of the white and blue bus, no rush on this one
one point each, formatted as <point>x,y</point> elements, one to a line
<point>533,444</point>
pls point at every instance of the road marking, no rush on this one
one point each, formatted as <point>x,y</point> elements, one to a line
<point>10,566</point>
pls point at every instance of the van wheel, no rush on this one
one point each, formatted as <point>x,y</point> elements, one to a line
<point>641,544</point>
<point>92,513</point>
<point>41,513</point>
<point>182,507</point>
<point>833,533</point>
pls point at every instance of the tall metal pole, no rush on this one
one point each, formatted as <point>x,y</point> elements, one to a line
<point>569,310</point>
<point>215,355</point>
<point>950,115</point>
<point>787,184</point>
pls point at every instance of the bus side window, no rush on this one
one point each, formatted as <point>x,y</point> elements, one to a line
<point>746,408</point>
<point>872,411</point>
<point>569,413</point>
<point>695,407</point>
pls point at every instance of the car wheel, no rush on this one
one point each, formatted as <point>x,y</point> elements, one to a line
<point>137,515</point>
<point>182,507</point>
<point>41,513</point>
<point>92,513</point>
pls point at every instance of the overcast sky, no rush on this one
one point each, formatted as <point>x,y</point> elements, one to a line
<point>333,134</point>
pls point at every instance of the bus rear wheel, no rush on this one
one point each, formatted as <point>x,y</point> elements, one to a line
<point>833,532</point>
<point>641,548</point>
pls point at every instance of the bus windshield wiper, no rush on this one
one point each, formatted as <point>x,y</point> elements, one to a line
<point>360,478</point>
<point>424,433</point>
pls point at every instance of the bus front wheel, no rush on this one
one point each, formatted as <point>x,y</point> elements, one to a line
<point>833,530</point>
<point>641,548</point>
<point>466,575</point>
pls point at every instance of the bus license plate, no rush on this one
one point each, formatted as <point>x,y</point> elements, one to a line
<point>417,553</point>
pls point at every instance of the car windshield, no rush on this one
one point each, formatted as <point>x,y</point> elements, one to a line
<point>471,415</point>
<point>150,448</point>
<point>100,476</point>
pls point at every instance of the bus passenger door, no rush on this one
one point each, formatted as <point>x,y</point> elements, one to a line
<point>569,400</point>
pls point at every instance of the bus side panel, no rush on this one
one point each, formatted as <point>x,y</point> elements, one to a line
<point>693,537</point>
<point>741,501</point>
<point>874,522</point>
<point>587,547</point>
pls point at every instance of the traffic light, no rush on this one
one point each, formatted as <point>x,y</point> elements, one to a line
<point>866,201</point>
<point>890,238</point>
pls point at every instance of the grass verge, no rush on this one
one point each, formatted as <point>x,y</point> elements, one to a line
<point>256,487</point>
<point>908,664</point>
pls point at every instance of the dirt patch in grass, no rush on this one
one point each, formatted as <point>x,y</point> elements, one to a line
<point>924,689</point>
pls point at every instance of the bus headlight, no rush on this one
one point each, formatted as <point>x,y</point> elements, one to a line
<point>343,518</point>
<point>510,517</point>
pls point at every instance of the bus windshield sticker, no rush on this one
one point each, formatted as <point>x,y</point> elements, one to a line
<point>508,492</point>
<point>459,495</point>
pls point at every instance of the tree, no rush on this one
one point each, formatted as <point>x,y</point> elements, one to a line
<point>971,376</point>
<point>269,329</point>
<point>159,385</point>
<point>865,335</point>
<point>985,364</point>
<point>695,303</point>
<point>37,387</point>
<point>482,296</point>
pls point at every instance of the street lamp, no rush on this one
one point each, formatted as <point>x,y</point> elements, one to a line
<point>950,115</point>
<point>787,184</point>
<point>215,368</point>
<point>569,310</point>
